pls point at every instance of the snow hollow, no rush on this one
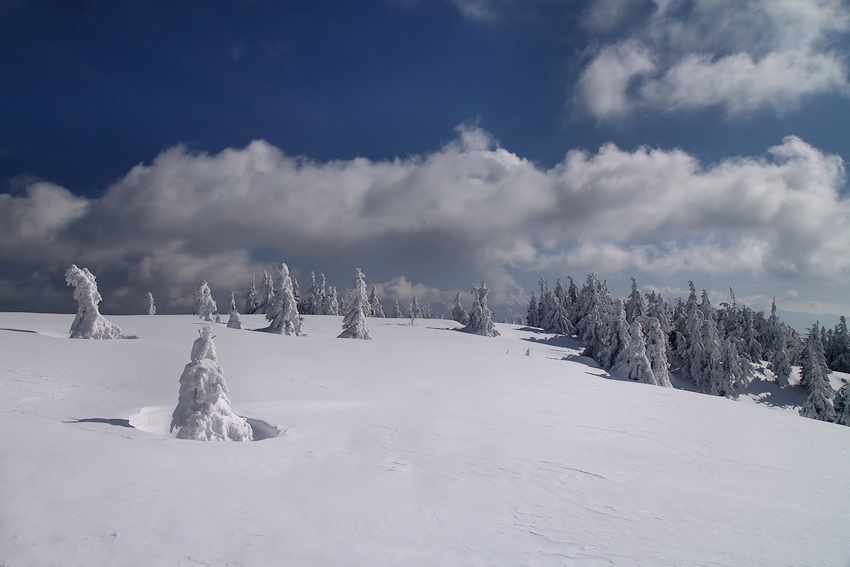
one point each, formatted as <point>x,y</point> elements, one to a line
<point>423,446</point>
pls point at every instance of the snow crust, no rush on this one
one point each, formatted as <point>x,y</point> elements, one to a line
<point>422,446</point>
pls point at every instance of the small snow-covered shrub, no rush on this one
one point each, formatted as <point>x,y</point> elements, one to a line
<point>203,410</point>
<point>89,323</point>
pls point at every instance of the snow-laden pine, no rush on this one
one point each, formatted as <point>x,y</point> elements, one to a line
<point>151,306</point>
<point>284,312</point>
<point>481,318</point>
<point>203,411</point>
<point>89,323</point>
<point>354,323</point>
<point>205,306</point>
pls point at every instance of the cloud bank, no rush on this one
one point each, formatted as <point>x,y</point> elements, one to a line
<point>469,211</point>
<point>741,55</point>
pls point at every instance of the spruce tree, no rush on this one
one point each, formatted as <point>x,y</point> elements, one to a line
<point>532,319</point>
<point>481,318</point>
<point>284,313</point>
<point>375,304</point>
<point>635,306</point>
<point>89,323</point>
<point>459,314</point>
<point>203,411</point>
<point>252,299</point>
<point>397,314</point>
<point>205,306</point>
<point>635,364</point>
<point>354,323</point>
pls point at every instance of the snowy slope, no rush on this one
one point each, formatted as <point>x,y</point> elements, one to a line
<point>424,446</point>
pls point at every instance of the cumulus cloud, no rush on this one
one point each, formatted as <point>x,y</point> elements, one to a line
<point>742,56</point>
<point>471,208</point>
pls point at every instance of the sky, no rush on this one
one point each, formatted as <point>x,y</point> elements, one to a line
<point>432,143</point>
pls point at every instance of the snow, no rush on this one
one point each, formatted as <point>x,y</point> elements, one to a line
<point>423,446</point>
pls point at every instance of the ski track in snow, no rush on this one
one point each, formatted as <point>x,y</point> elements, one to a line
<point>420,447</point>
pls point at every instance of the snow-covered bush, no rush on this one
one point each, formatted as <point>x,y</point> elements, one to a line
<point>203,410</point>
<point>89,323</point>
<point>354,323</point>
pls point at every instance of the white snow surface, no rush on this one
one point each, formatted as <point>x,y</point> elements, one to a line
<point>423,446</point>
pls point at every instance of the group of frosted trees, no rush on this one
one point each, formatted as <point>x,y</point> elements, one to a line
<point>480,320</point>
<point>646,338</point>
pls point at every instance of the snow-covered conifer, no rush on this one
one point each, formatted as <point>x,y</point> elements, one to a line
<point>635,306</point>
<point>481,318</point>
<point>459,314</point>
<point>414,310</point>
<point>842,405</point>
<point>354,323</point>
<point>656,350</point>
<point>779,363</point>
<point>233,321</point>
<point>557,318</point>
<point>266,294</point>
<point>616,335</point>
<point>375,304</point>
<point>151,306</point>
<point>533,317</point>
<point>839,347</point>
<point>89,323</point>
<point>331,306</point>
<point>397,314</point>
<point>635,364</point>
<point>203,411</point>
<point>205,306</point>
<point>311,301</point>
<point>284,313</point>
<point>814,375</point>
<point>252,299</point>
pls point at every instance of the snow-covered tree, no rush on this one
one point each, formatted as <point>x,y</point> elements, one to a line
<point>151,306</point>
<point>635,365</point>
<point>311,301</point>
<point>397,314</point>
<point>615,336</point>
<point>842,405</point>
<point>635,306</point>
<point>814,375</point>
<point>532,319</point>
<point>205,306</point>
<point>252,299</point>
<point>459,314</point>
<point>233,321</point>
<point>331,305</point>
<point>203,410</point>
<point>779,363</point>
<point>375,304</point>
<point>414,310</point>
<point>838,350</point>
<point>354,323</point>
<point>481,318</point>
<point>557,317</point>
<point>89,323</point>
<point>266,294</point>
<point>656,350</point>
<point>284,313</point>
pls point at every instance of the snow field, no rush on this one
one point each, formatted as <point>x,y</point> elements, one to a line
<point>423,446</point>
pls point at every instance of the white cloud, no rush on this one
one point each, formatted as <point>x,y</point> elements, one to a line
<point>470,208</point>
<point>742,56</point>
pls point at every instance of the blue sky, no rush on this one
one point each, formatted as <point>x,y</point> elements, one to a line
<point>431,143</point>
